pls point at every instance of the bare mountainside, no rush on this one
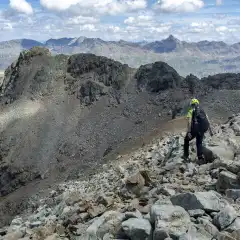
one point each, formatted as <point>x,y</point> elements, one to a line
<point>64,116</point>
<point>201,58</point>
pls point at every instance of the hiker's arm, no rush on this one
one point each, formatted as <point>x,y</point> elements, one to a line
<point>189,121</point>
<point>210,129</point>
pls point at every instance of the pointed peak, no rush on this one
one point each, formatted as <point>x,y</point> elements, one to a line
<point>172,38</point>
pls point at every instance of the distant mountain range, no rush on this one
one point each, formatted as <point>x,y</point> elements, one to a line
<point>201,58</point>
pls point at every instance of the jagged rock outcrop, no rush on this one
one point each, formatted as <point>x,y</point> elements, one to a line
<point>157,77</point>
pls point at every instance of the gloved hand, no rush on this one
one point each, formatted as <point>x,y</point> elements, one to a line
<point>189,135</point>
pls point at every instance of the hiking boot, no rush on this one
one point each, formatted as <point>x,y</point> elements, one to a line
<point>185,159</point>
<point>201,160</point>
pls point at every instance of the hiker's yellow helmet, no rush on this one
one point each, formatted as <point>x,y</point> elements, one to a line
<point>194,101</point>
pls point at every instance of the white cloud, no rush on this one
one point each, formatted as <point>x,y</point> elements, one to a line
<point>58,5</point>
<point>221,29</point>
<point>21,6</point>
<point>81,20</point>
<point>141,21</point>
<point>6,26</point>
<point>114,29</point>
<point>179,5</point>
<point>112,7</point>
<point>89,27</point>
<point>218,2</point>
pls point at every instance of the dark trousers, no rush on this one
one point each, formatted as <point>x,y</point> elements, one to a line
<point>199,139</point>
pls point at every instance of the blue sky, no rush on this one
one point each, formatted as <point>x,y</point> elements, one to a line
<point>133,20</point>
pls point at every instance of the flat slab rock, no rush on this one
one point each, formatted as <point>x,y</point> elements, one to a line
<point>225,217</point>
<point>137,229</point>
<point>170,221</point>
<point>233,193</point>
<point>227,180</point>
<point>209,201</point>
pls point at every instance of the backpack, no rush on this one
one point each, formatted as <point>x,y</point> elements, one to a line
<point>200,123</point>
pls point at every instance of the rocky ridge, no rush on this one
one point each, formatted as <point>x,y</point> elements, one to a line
<point>149,194</point>
<point>62,117</point>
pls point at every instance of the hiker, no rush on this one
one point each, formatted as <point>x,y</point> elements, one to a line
<point>198,124</point>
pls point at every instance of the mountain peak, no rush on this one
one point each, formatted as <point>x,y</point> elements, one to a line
<point>172,38</point>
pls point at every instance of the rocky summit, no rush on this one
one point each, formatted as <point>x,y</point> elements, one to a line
<point>149,194</point>
<point>64,117</point>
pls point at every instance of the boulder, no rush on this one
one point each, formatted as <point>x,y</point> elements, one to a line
<point>17,222</point>
<point>53,237</point>
<point>220,149</point>
<point>14,235</point>
<point>233,193</point>
<point>209,201</point>
<point>207,226</point>
<point>136,214</point>
<point>95,211</point>
<point>234,226</point>
<point>166,191</point>
<point>170,221</point>
<point>35,224</point>
<point>196,213</point>
<point>137,229</point>
<point>135,183</point>
<point>195,234</point>
<point>73,198</point>
<point>224,236</point>
<point>230,165</point>
<point>225,217</point>
<point>227,180</point>
<point>109,222</point>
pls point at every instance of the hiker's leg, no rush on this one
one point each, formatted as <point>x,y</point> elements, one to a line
<point>186,145</point>
<point>199,142</point>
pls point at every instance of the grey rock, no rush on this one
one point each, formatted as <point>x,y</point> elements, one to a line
<point>95,211</point>
<point>233,193</point>
<point>196,213</point>
<point>165,201</point>
<point>167,191</point>
<point>135,214</point>
<point>14,235</point>
<point>108,236</point>
<point>109,222</point>
<point>73,198</point>
<point>35,224</point>
<point>135,183</point>
<point>195,234</point>
<point>230,165</point>
<point>234,226</point>
<point>207,226</point>
<point>215,173</point>
<point>225,217</point>
<point>147,217</point>
<point>54,236</point>
<point>3,231</point>
<point>220,149</point>
<point>224,236</point>
<point>191,170</point>
<point>170,221</point>
<point>137,229</point>
<point>227,180</point>
<point>209,201</point>
<point>17,222</point>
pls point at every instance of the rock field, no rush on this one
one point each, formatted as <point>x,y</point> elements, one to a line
<point>148,194</point>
